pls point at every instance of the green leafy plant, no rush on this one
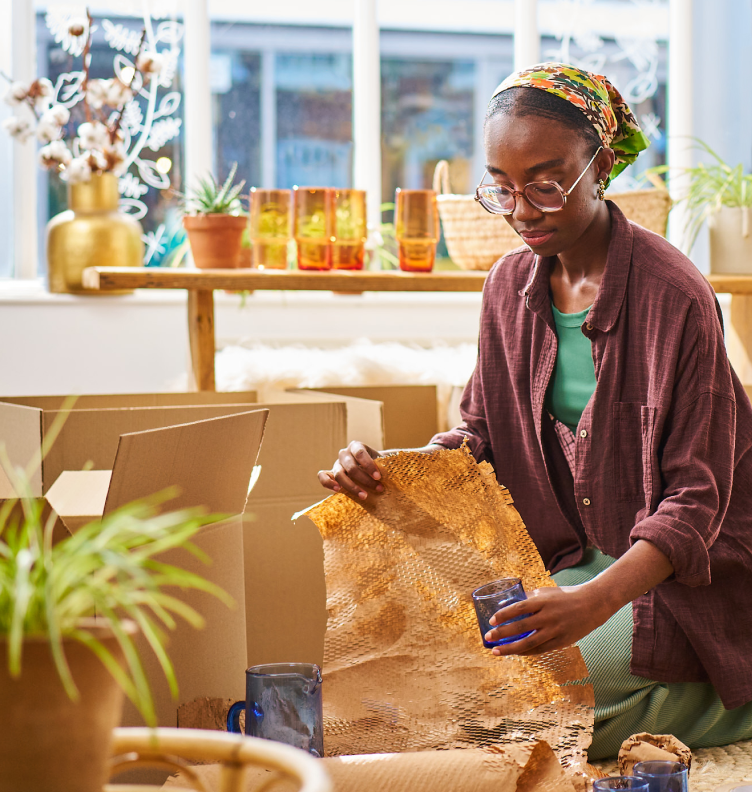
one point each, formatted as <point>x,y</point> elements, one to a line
<point>711,187</point>
<point>209,197</point>
<point>106,571</point>
<point>386,245</point>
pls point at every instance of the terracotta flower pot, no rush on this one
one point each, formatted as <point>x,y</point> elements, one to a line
<point>47,741</point>
<point>215,239</point>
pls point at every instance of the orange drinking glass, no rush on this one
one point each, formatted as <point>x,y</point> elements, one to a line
<point>314,227</point>
<point>349,234</point>
<point>417,231</point>
<point>270,227</point>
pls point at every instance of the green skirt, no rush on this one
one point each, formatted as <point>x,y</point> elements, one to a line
<point>626,704</point>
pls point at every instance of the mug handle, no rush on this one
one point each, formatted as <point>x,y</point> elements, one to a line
<point>233,717</point>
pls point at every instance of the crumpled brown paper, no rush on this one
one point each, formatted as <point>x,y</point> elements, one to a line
<point>404,665</point>
<point>646,747</point>
<point>521,768</point>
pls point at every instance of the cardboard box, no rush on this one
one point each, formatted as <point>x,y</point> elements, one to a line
<point>284,577</point>
<point>211,462</point>
<point>90,436</point>
<point>364,417</point>
<point>410,412</point>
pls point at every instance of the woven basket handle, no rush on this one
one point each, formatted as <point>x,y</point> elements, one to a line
<point>441,178</point>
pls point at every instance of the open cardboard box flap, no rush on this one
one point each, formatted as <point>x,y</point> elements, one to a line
<point>209,462</point>
<point>94,424</point>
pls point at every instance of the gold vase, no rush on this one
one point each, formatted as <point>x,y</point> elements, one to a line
<point>91,233</point>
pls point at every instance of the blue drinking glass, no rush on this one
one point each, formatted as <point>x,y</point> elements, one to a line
<point>663,776</point>
<point>620,782</point>
<point>282,703</point>
<point>492,597</point>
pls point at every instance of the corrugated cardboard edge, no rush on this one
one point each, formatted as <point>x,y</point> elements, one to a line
<point>522,768</point>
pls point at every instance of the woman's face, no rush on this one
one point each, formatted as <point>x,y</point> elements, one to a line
<point>523,149</point>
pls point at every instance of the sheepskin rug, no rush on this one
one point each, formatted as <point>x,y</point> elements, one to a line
<point>263,368</point>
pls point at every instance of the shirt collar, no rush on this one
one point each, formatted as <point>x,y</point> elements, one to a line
<point>610,297</point>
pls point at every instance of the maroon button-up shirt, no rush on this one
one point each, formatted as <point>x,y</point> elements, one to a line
<point>662,449</point>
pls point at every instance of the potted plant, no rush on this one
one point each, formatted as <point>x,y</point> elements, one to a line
<point>68,612</point>
<point>80,122</point>
<point>215,221</point>
<point>720,195</point>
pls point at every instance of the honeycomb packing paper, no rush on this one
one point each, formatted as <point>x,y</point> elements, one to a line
<point>404,665</point>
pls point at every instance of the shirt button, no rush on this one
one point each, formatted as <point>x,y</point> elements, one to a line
<point>589,326</point>
<point>583,432</point>
<point>586,501</point>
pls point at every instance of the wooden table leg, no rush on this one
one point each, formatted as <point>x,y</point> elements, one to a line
<point>201,334</point>
<point>739,338</point>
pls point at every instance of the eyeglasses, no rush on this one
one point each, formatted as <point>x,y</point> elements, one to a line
<point>546,196</point>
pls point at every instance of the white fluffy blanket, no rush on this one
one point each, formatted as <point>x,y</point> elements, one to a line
<point>262,368</point>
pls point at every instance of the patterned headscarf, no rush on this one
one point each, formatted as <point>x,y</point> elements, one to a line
<point>596,97</point>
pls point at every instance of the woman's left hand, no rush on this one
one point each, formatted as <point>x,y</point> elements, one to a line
<point>559,616</point>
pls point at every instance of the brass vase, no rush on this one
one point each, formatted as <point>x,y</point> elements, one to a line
<point>91,233</point>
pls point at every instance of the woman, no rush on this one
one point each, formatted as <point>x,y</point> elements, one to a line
<point>604,399</point>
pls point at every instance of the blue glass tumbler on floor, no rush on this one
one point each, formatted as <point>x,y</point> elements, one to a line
<point>282,703</point>
<point>663,776</point>
<point>620,782</point>
<point>492,597</point>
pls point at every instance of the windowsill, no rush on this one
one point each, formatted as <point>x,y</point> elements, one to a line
<point>34,291</point>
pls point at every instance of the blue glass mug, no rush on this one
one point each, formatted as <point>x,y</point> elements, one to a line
<point>282,703</point>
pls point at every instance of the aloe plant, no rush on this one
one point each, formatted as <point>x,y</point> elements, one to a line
<point>209,197</point>
<point>107,569</point>
<point>711,187</point>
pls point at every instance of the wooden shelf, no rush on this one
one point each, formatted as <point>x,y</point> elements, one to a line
<point>112,278</point>
<point>731,284</point>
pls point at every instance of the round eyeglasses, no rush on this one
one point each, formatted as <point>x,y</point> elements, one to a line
<point>546,196</point>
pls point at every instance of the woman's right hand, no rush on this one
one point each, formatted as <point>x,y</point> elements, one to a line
<point>354,472</point>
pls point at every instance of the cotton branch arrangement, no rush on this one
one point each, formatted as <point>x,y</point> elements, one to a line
<point>93,142</point>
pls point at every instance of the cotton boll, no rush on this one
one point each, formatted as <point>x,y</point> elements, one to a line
<point>18,128</point>
<point>118,94</point>
<point>97,160</point>
<point>48,130</point>
<point>93,135</point>
<point>41,91</point>
<point>55,154</point>
<point>77,171</point>
<point>150,63</point>
<point>115,156</point>
<point>16,93</point>
<point>57,113</point>
<point>96,93</point>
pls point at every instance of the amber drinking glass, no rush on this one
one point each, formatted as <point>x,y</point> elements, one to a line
<point>417,221</point>
<point>314,227</point>
<point>349,233</point>
<point>270,227</point>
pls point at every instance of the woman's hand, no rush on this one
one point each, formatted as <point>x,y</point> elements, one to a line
<point>354,472</point>
<point>559,616</point>
<point>562,616</point>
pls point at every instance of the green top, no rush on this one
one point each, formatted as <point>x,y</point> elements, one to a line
<point>573,381</point>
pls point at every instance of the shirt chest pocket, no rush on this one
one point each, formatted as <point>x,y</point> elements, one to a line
<point>634,460</point>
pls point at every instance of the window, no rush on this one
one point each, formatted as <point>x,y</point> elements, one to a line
<point>281,98</point>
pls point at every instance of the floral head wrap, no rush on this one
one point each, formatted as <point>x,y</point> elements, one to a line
<point>596,97</point>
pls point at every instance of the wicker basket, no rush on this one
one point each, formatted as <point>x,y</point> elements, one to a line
<point>476,239</point>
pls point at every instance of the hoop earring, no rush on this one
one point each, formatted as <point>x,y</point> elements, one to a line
<point>601,190</point>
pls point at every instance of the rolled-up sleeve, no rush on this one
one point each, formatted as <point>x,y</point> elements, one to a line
<point>697,468</point>
<point>696,460</point>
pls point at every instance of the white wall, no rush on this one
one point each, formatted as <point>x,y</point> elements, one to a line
<point>67,344</point>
